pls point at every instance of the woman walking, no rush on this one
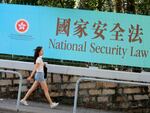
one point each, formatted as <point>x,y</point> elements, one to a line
<point>39,78</point>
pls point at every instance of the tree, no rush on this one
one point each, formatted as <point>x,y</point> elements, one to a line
<point>131,6</point>
<point>87,4</point>
<point>118,5</point>
<point>100,4</point>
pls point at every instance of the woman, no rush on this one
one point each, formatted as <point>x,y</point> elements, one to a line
<point>39,78</point>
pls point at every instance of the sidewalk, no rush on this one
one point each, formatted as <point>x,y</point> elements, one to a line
<point>9,106</point>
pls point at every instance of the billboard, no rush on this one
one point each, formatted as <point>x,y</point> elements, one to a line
<point>72,34</point>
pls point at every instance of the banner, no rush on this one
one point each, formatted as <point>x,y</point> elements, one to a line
<point>72,34</point>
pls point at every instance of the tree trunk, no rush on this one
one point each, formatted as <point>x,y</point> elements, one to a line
<point>131,6</point>
<point>100,4</point>
<point>118,6</point>
<point>110,4</point>
<point>77,3</point>
<point>62,4</point>
<point>80,4</point>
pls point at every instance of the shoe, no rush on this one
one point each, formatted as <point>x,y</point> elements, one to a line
<point>24,102</point>
<point>53,105</point>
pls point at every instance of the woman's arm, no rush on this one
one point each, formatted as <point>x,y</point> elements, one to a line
<point>33,71</point>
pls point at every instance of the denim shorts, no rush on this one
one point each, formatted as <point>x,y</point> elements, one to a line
<point>39,76</point>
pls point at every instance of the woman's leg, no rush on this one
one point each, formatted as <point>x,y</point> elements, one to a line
<point>34,86</point>
<point>46,92</point>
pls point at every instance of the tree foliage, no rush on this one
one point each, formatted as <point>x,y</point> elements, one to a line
<point>141,7</point>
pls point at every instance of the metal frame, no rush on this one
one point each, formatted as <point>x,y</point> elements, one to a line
<point>101,80</point>
<point>20,85</point>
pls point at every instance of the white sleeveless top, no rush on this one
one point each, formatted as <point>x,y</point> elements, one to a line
<point>41,64</point>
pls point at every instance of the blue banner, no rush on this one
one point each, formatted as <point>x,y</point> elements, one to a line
<point>79,35</point>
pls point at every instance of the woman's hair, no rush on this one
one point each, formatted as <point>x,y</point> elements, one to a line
<point>36,53</point>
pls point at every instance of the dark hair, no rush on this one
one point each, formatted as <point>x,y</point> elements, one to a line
<point>36,53</point>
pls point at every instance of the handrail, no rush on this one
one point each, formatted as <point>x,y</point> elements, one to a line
<point>20,85</point>
<point>101,80</point>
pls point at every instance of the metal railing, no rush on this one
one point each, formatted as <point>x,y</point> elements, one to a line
<point>101,80</point>
<point>20,85</point>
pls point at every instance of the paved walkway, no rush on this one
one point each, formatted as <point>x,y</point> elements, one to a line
<point>9,106</point>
